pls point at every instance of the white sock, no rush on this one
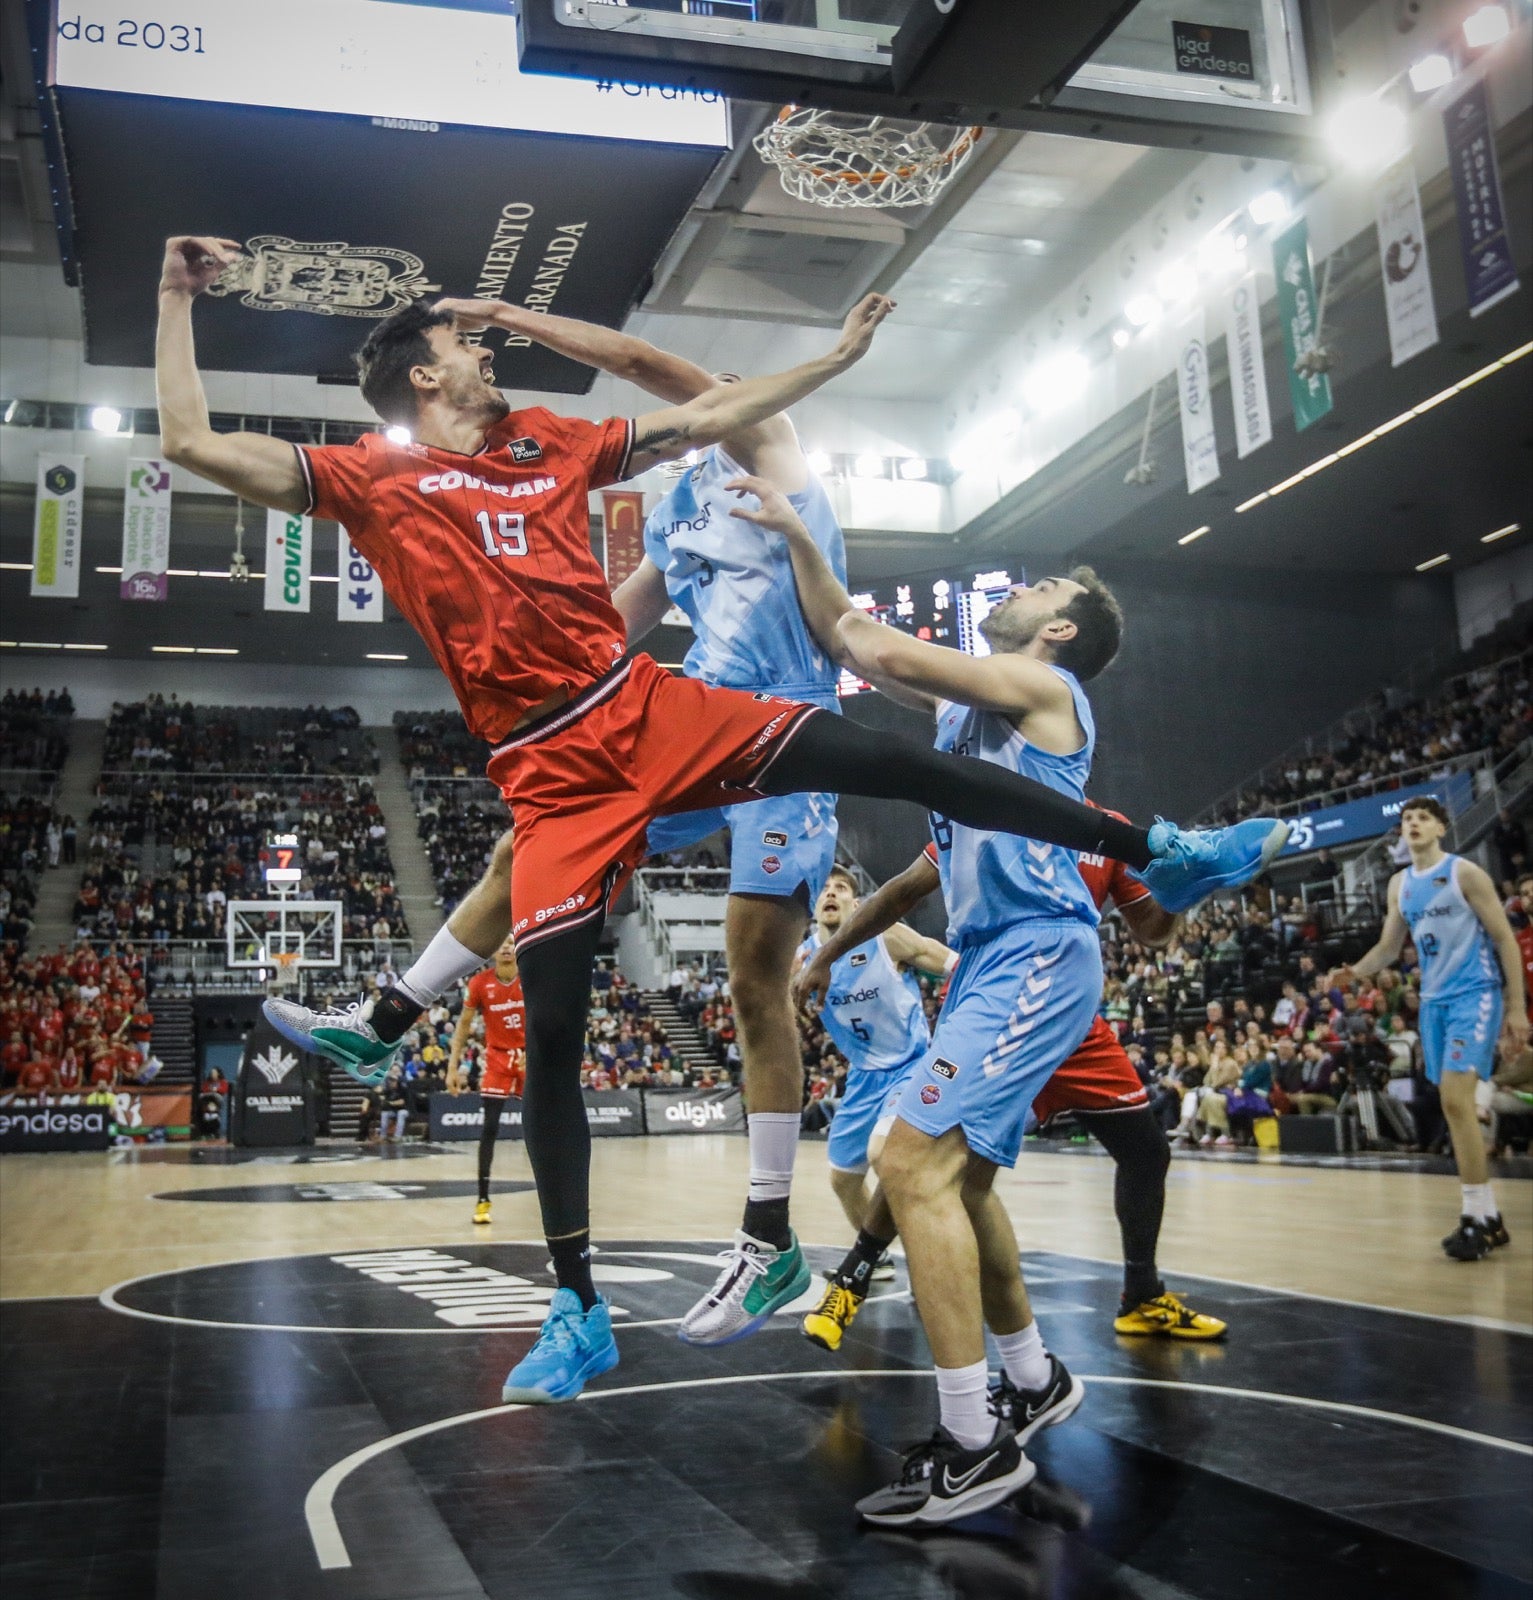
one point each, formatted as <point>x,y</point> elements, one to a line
<point>1479,1201</point>
<point>1023,1356</point>
<point>774,1143</point>
<point>963,1393</point>
<point>441,964</point>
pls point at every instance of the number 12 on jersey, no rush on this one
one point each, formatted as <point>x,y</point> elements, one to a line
<point>504,534</point>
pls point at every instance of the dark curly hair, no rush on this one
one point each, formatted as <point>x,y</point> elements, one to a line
<point>391,350</point>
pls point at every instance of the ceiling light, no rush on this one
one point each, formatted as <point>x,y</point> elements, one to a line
<point>85,647</point>
<point>106,419</point>
<point>1431,72</point>
<point>1057,381</point>
<point>913,469</point>
<point>215,650</point>
<point>1197,533</point>
<point>15,566</point>
<point>381,655</point>
<point>1368,132</point>
<point>1142,310</point>
<point>1436,561</point>
<point>1501,533</point>
<point>1487,26</point>
<point>820,463</point>
<point>1270,206</point>
<point>397,435</point>
<point>1175,281</point>
<point>1120,338</point>
<point>868,465</point>
<point>173,649</point>
<point>984,438</point>
<point>35,644</point>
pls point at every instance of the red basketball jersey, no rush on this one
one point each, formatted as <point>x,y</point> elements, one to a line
<point>503,1009</point>
<point>488,556</point>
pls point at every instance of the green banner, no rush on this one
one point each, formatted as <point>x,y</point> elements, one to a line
<point>1298,308</point>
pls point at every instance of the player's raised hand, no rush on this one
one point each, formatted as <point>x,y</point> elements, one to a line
<point>861,324</point>
<point>471,314</point>
<point>193,261</point>
<point>811,980</point>
<point>773,509</point>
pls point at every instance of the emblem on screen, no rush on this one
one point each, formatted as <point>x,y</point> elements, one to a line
<point>331,280</point>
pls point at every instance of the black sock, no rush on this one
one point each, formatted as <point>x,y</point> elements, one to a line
<point>856,1271</point>
<point>393,1013</point>
<point>572,1266</point>
<point>767,1220</point>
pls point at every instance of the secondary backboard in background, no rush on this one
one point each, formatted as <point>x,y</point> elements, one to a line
<point>259,931</point>
<point>1214,74</point>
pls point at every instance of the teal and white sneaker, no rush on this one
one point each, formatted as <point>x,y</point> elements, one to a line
<point>345,1037</point>
<point>757,1281</point>
<point>574,1345</point>
<point>1192,863</point>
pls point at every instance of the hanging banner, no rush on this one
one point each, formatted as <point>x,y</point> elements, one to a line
<point>1298,309</point>
<point>359,593</point>
<point>57,527</point>
<point>1489,273</point>
<point>1403,263</point>
<point>1248,367</point>
<point>622,515</point>
<point>145,531</point>
<point>1200,452</point>
<point>289,548</point>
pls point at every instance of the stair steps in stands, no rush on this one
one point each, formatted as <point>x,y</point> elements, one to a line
<point>345,1098</point>
<point>412,866</point>
<point>57,887</point>
<point>686,1042</point>
<point>174,1040</point>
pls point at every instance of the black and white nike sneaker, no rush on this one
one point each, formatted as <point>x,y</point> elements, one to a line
<point>1025,1411</point>
<point>941,1481</point>
<point>1469,1241</point>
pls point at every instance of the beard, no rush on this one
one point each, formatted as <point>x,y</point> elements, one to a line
<point>1008,628</point>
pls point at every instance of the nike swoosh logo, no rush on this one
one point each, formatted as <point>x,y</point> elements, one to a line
<point>952,1485</point>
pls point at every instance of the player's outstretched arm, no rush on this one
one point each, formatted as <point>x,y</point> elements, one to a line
<point>642,599</point>
<point>1391,940</point>
<point>727,408</point>
<point>1480,892</point>
<point>253,465</point>
<point>912,949</point>
<point>886,906</point>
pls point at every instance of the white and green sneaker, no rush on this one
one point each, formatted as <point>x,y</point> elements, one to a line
<point>345,1036</point>
<point>757,1281</point>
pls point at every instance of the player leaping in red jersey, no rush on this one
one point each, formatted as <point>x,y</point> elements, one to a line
<point>478,527</point>
<point>496,995</point>
<point>1098,1084</point>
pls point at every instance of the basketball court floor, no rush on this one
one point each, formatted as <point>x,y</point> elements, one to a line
<point>257,1375</point>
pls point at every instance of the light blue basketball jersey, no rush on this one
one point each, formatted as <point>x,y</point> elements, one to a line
<point>1455,951</point>
<point>992,880</point>
<point>735,583</point>
<point>872,1010</point>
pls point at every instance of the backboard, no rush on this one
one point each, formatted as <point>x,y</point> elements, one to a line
<point>259,931</point>
<point>1215,74</point>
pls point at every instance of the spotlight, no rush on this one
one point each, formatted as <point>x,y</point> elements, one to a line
<point>1268,207</point>
<point>106,419</point>
<point>1430,73</point>
<point>1487,26</point>
<point>913,469</point>
<point>397,435</point>
<point>1120,337</point>
<point>868,465</point>
<point>1368,133</point>
<point>820,463</point>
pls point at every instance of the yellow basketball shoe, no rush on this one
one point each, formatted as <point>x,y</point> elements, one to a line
<point>826,1325</point>
<point>1167,1315</point>
<point>482,1211</point>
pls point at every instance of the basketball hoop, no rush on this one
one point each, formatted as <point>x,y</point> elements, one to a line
<point>831,158</point>
<point>286,960</point>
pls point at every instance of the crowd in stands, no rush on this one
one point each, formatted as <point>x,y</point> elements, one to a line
<point>172,735</point>
<point>435,744</point>
<point>34,744</point>
<point>1489,709</point>
<point>75,1022</point>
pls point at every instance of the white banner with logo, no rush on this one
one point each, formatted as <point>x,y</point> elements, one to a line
<point>145,531</point>
<point>1403,262</point>
<point>289,552</point>
<point>1199,450</point>
<point>359,594</point>
<point>1248,367</point>
<point>58,527</point>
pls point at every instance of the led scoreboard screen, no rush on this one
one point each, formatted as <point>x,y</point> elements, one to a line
<point>943,607</point>
<point>280,861</point>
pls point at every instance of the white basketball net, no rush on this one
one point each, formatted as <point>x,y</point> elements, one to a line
<point>834,159</point>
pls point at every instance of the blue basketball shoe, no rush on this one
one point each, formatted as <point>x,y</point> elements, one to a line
<point>1192,863</point>
<point>573,1346</point>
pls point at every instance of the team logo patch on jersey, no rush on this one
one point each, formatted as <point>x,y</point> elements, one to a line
<point>775,838</point>
<point>859,960</point>
<point>770,864</point>
<point>763,695</point>
<point>931,1094</point>
<point>525,450</point>
<point>945,1068</point>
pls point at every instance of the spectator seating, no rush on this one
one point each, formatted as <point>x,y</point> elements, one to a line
<point>34,744</point>
<point>74,1019</point>
<point>173,735</point>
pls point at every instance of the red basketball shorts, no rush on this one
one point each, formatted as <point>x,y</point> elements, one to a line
<point>505,1073</point>
<point>584,782</point>
<point>1098,1077</point>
